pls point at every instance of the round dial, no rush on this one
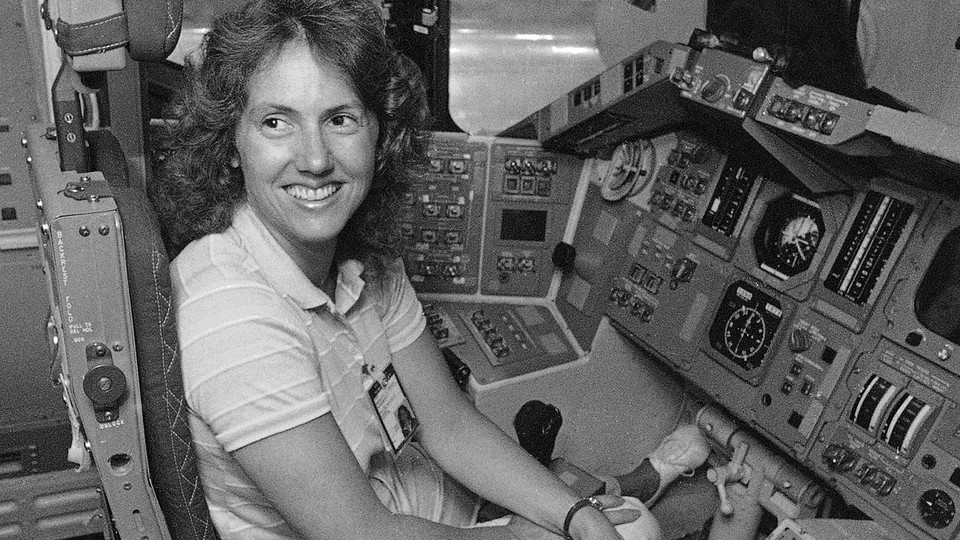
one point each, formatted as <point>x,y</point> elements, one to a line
<point>744,333</point>
<point>797,242</point>
<point>788,236</point>
<point>744,327</point>
<point>936,508</point>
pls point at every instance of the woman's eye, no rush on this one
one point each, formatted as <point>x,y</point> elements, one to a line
<point>344,122</point>
<point>274,124</point>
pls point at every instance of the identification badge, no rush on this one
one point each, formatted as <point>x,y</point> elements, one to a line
<point>393,407</point>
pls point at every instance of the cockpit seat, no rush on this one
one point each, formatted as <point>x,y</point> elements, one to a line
<point>112,319</point>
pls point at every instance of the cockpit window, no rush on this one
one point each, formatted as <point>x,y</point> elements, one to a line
<point>937,302</point>
<point>509,59</point>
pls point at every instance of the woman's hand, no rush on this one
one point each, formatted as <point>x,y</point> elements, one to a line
<point>617,511</point>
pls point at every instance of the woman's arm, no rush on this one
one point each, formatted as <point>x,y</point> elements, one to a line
<point>477,453</point>
<point>312,477</point>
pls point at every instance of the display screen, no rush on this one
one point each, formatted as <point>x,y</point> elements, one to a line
<point>524,225</point>
<point>937,302</point>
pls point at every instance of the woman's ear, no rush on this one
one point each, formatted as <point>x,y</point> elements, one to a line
<point>235,160</point>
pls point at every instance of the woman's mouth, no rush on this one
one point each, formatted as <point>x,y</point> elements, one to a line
<point>307,194</point>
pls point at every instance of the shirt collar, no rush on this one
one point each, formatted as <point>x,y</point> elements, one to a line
<point>285,276</point>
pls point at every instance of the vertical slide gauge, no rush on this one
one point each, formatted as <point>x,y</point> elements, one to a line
<point>745,325</point>
<point>788,236</point>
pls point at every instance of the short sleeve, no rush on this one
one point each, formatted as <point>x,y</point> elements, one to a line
<point>403,318</point>
<point>249,371</point>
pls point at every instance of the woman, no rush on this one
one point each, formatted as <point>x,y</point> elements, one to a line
<point>299,332</point>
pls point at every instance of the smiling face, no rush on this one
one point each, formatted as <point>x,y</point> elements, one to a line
<point>306,147</point>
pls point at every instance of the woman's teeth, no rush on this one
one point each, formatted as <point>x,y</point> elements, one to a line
<point>307,194</point>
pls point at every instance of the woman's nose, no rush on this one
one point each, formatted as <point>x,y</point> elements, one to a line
<point>314,154</point>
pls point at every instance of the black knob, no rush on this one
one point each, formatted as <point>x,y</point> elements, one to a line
<point>564,256</point>
<point>537,425</point>
<point>106,386</point>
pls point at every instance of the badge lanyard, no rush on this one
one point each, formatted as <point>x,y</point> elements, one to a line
<point>392,406</point>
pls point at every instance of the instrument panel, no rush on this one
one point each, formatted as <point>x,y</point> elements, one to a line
<point>826,322</point>
<point>825,315</point>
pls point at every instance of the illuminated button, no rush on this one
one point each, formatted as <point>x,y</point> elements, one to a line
<point>428,269</point>
<point>813,119</point>
<point>452,237</point>
<point>454,210</point>
<point>505,264</point>
<point>828,123</point>
<point>528,185</point>
<point>452,270</point>
<point>457,166</point>
<point>431,210</point>
<point>796,368</point>
<point>701,187</point>
<point>436,165</point>
<point>793,112</point>
<point>807,387</point>
<point>776,107</point>
<point>526,265</point>
<point>786,388</point>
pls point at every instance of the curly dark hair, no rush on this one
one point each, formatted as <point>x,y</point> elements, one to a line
<point>198,191</point>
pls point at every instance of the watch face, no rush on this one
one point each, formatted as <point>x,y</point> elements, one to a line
<point>788,236</point>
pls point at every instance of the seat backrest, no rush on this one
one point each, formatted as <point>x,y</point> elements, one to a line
<point>119,354</point>
<point>171,457</point>
<point>109,283</point>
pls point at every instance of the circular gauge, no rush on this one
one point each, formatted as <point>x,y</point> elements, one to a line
<point>744,332</point>
<point>628,170</point>
<point>745,325</point>
<point>788,236</point>
<point>936,508</point>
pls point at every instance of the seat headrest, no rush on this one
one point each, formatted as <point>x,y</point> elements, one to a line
<point>149,29</point>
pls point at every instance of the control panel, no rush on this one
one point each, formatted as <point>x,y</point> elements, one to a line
<point>479,225</point>
<point>828,321</point>
<point>529,196</point>
<point>499,340</point>
<point>443,215</point>
<point>813,113</point>
<point>722,81</point>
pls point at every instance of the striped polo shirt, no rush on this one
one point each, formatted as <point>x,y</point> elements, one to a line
<point>264,350</point>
